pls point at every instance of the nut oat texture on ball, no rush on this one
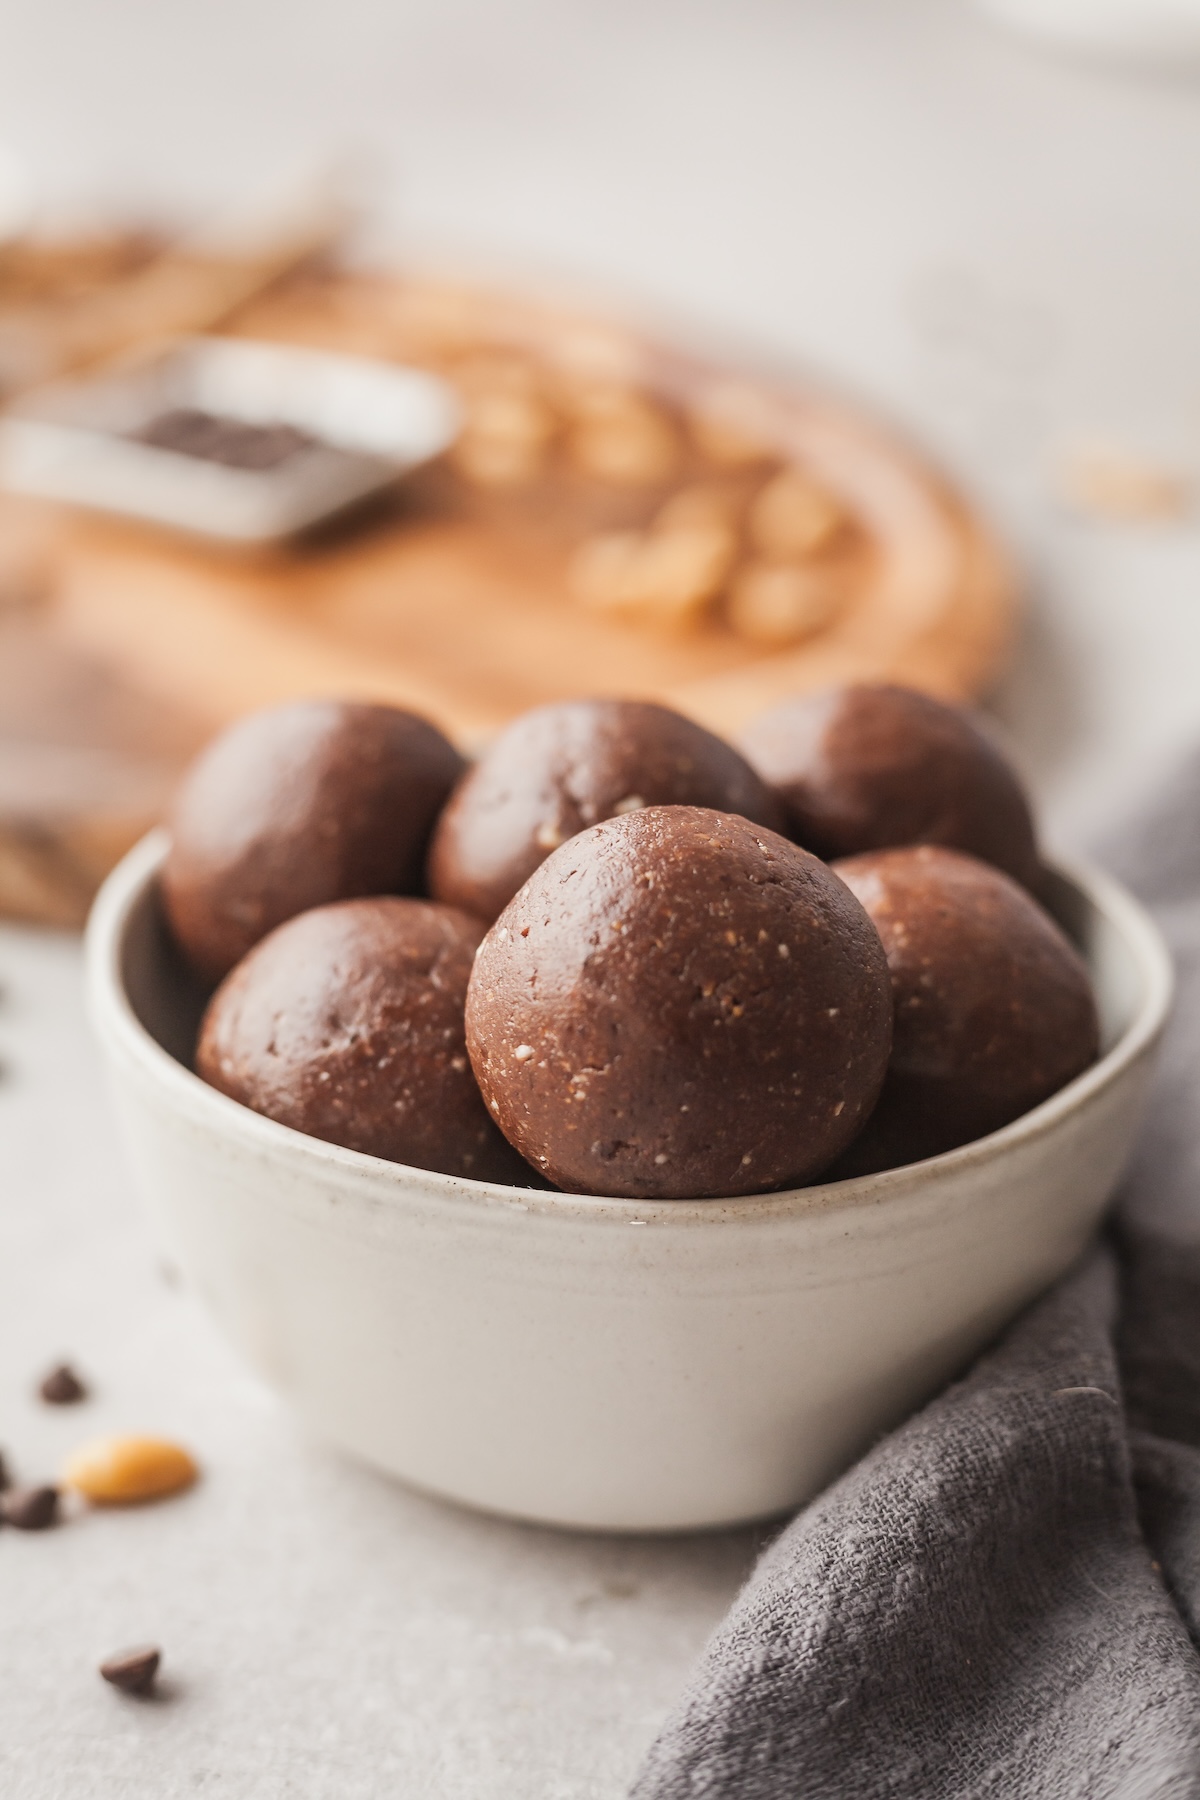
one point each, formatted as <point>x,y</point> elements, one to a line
<point>294,807</point>
<point>867,767</point>
<point>680,1004</point>
<point>994,1010</point>
<point>561,768</point>
<point>347,1023</point>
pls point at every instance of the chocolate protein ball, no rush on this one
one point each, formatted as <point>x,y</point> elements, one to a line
<point>993,1006</point>
<point>679,1003</point>
<point>864,768</point>
<point>316,801</point>
<point>347,1023</point>
<point>561,768</point>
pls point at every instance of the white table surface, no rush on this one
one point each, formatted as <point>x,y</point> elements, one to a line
<point>1003,249</point>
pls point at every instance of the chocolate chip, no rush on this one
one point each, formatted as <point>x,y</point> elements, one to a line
<point>30,1509</point>
<point>237,443</point>
<point>133,1671</point>
<point>62,1387</point>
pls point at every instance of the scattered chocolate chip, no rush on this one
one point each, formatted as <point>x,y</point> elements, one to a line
<point>5,1474</point>
<point>30,1509</point>
<point>133,1671</point>
<point>62,1387</point>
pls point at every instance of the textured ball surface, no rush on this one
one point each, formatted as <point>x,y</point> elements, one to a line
<point>294,807</point>
<point>678,1004</point>
<point>994,1009</point>
<point>865,768</point>
<point>347,1023</point>
<point>561,768</point>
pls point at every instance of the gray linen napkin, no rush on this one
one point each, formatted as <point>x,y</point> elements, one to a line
<point>1003,1597</point>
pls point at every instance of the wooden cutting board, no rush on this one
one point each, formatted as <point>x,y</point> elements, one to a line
<point>529,565</point>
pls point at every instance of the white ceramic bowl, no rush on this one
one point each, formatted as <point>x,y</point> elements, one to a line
<point>596,1362</point>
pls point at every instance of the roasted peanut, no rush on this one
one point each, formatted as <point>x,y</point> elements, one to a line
<point>706,504</point>
<point>793,517</point>
<point>122,1471</point>
<point>1113,484</point>
<point>621,437</point>
<point>664,577</point>
<point>780,603</point>
<point>505,436</point>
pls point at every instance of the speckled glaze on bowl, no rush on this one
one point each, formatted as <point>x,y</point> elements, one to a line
<point>600,1363</point>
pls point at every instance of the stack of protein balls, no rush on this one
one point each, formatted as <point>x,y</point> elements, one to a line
<point>617,955</point>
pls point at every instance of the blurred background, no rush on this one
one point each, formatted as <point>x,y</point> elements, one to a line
<point>986,234</point>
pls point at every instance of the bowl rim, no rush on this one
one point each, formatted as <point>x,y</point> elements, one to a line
<point>118,1027</point>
